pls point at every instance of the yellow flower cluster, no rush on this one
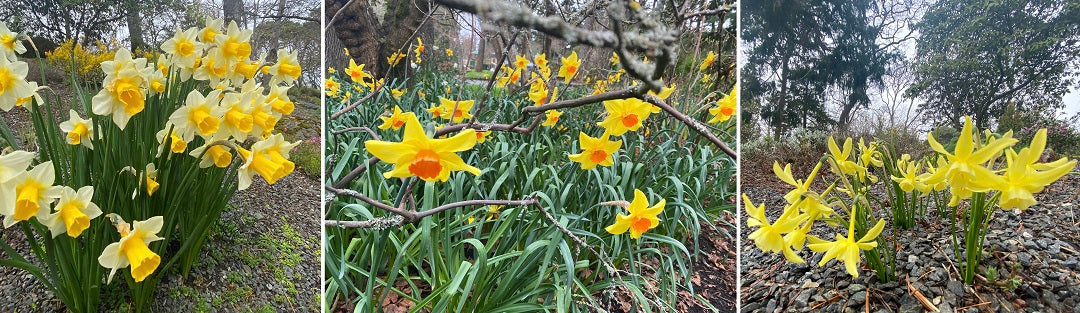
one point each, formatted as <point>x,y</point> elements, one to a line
<point>85,61</point>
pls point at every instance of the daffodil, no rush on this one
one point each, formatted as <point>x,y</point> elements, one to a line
<point>10,45</point>
<point>213,67</point>
<point>234,43</point>
<point>356,72</point>
<point>801,197</point>
<point>216,155</point>
<point>124,91</point>
<point>551,118</point>
<point>209,32</point>
<point>133,250</point>
<point>539,96</point>
<point>625,115</point>
<point>843,158</point>
<point>449,52</point>
<point>595,151</point>
<point>569,66</point>
<point>78,130</point>
<point>481,136</point>
<point>964,169</point>
<point>520,62</point>
<point>846,249</point>
<point>331,87</point>
<point>236,121</point>
<point>197,116</point>
<point>184,47</point>
<point>13,84</point>
<point>28,194</point>
<point>393,59</point>
<point>709,59</point>
<point>641,219</point>
<point>769,237</point>
<point>177,144</point>
<point>73,212</point>
<point>150,177</point>
<point>397,93</point>
<point>614,58</point>
<point>725,108</point>
<point>286,70</point>
<point>421,156</point>
<point>909,179</point>
<point>268,158</point>
<point>456,111</point>
<point>1023,176</point>
<point>396,119</point>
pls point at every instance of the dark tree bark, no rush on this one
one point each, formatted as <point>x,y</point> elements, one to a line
<point>481,52</point>
<point>134,25</point>
<point>233,11</point>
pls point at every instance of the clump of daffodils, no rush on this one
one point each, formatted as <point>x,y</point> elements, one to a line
<point>989,168</point>
<point>221,106</point>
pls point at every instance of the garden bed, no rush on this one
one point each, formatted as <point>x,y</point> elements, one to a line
<point>1030,265</point>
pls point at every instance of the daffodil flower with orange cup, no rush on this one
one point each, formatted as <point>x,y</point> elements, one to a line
<point>725,107</point>
<point>595,151</point>
<point>551,118</point>
<point>641,219</point>
<point>625,115</point>
<point>133,249</point>
<point>569,67</point>
<point>456,111</point>
<point>421,156</point>
<point>396,119</point>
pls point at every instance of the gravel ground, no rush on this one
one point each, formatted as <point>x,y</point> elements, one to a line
<point>1037,251</point>
<point>263,255</point>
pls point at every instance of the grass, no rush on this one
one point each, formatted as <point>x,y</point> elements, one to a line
<point>485,74</point>
<point>519,261</point>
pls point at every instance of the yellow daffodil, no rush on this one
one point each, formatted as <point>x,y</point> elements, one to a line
<point>133,250</point>
<point>909,179</point>
<point>709,59</point>
<point>569,67</point>
<point>705,78</point>
<point>396,119</point>
<point>964,169</point>
<point>10,45</point>
<point>725,108</point>
<point>456,111</point>
<point>331,87</point>
<point>236,121</point>
<point>397,93</point>
<point>78,130</point>
<point>551,118</point>
<point>520,62</point>
<point>449,52</point>
<point>213,67</point>
<point>625,115</point>
<point>843,158</point>
<point>234,43</point>
<point>176,143</point>
<point>150,177</point>
<point>208,33</point>
<point>217,155</point>
<point>268,158</point>
<point>1024,177</point>
<point>124,93</point>
<point>73,212</point>
<point>769,237</point>
<point>393,59</point>
<point>846,249</point>
<point>197,116</point>
<point>595,151</point>
<point>356,72</point>
<point>286,70</point>
<point>868,154</point>
<point>641,219</point>
<point>614,58</point>
<point>481,136</point>
<point>184,47</point>
<point>28,194</point>
<point>13,84</point>
<point>421,156</point>
<point>539,96</point>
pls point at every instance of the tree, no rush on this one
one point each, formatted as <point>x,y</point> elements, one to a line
<point>976,56</point>
<point>370,41</point>
<point>59,20</point>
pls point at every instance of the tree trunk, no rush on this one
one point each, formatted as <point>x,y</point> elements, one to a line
<point>358,30</point>
<point>275,43</point>
<point>780,114</point>
<point>233,11</point>
<point>134,25</point>
<point>400,22</point>
<point>481,52</point>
